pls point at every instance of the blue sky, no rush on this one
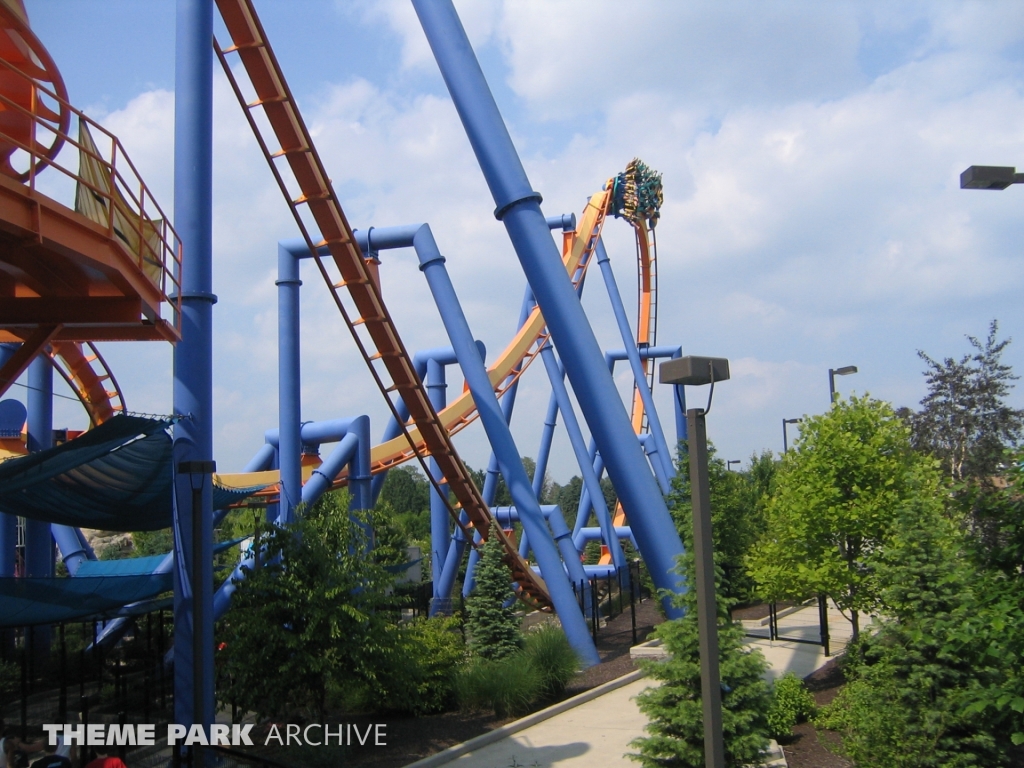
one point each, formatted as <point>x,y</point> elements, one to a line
<point>810,152</point>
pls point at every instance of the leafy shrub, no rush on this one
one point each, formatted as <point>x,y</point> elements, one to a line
<point>423,680</point>
<point>509,686</point>
<point>311,619</point>
<point>548,651</point>
<point>791,703</point>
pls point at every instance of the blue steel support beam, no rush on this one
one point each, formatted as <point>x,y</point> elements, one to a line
<point>289,395</point>
<point>73,551</point>
<point>637,366</point>
<point>440,531</point>
<point>39,554</point>
<point>543,454</point>
<point>590,479</point>
<point>353,449</point>
<point>498,433</point>
<point>678,390</point>
<point>500,438</point>
<point>8,523</point>
<point>518,208</point>
<point>193,355</point>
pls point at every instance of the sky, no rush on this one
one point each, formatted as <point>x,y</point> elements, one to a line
<point>810,154</point>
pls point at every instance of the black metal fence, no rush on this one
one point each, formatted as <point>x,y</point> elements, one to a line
<point>612,595</point>
<point>59,674</point>
<point>775,634</point>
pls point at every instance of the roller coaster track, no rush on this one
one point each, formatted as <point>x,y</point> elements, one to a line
<point>372,328</point>
<point>646,335</point>
<point>88,374</point>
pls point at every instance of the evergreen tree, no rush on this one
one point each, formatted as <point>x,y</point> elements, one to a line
<point>492,624</point>
<point>675,709</point>
<point>939,683</point>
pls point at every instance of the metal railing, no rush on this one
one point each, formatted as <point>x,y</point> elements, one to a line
<point>116,186</point>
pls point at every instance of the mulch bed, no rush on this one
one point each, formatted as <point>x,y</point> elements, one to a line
<point>809,747</point>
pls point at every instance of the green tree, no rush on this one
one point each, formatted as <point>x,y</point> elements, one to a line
<point>939,684</point>
<point>674,708</point>
<point>837,494</point>
<point>406,493</point>
<point>964,420</point>
<point>738,502</point>
<point>492,624</point>
<point>310,618</point>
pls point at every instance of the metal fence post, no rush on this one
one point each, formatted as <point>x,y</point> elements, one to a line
<point>632,601</point>
<point>823,622</point>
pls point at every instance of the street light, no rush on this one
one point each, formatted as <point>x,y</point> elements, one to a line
<point>832,373</point>
<point>990,177</point>
<point>694,371</point>
<point>728,464</point>
<point>785,437</point>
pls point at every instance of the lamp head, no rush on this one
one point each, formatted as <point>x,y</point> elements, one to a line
<point>989,177</point>
<point>694,371</point>
<point>845,370</point>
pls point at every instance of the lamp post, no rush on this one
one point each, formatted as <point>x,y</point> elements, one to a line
<point>785,437</point>
<point>695,371</point>
<point>202,586</point>
<point>728,464</point>
<point>846,370</point>
<point>990,177</point>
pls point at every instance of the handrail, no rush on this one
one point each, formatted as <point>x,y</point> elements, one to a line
<point>127,199</point>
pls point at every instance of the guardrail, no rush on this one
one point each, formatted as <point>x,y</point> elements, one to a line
<point>108,188</point>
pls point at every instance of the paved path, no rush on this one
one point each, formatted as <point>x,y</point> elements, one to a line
<point>594,729</point>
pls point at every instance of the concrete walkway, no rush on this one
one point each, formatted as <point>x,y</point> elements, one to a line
<point>593,730</point>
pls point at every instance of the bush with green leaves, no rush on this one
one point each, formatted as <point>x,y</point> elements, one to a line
<point>311,618</point>
<point>422,679</point>
<point>674,708</point>
<point>791,703</point>
<point>547,650</point>
<point>492,624</point>
<point>509,686</point>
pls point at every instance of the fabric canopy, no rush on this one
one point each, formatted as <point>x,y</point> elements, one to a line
<point>115,477</point>
<point>30,600</point>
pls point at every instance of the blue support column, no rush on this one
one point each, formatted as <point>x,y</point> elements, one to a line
<point>518,207</point>
<point>14,413</point>
<point>440,532</point>
<point>193,355</point>
<point>590,479</point>
<point>39,550</point>
<point>289,396</point>
<point>500,437</point>
<point>637,367</point>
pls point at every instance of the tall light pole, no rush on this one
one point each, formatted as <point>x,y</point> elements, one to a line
<point>846,370</point>
<point>728,464</point>
<point>785,437</point>
<point>694,371</point>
